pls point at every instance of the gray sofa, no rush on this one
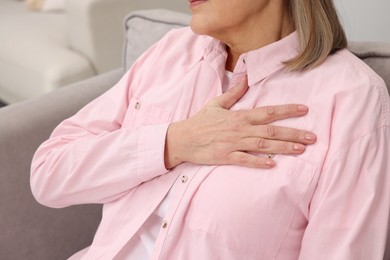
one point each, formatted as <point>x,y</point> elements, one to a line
<point>31,231</point>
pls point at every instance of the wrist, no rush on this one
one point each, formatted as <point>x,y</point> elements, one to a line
<point>172,146</point>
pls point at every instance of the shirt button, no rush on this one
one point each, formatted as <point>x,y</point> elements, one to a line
<point>164,224</point>
<point>137,106</point>
<point>184,179</point>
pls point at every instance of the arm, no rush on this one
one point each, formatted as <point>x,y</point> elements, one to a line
<point>98,155</point>
<point>91,148</point>
<point>93,158</point>
<point>349,212</point>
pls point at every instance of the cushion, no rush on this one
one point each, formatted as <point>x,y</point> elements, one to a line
<point>156,22</point>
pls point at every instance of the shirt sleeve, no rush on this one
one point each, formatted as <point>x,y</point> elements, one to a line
<point>91,157</point>
<point>349,212</point>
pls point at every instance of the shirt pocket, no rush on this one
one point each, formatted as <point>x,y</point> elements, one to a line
<point>142,113</point>
<point>252,210</point>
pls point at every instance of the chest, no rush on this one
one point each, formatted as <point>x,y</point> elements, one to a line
<point>246,210</point>
<point>231,204</point>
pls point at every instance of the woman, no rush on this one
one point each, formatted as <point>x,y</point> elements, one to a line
<point>190,164</point>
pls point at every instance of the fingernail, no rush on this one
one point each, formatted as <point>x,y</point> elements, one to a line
<point>303,108</point>
<point>298,147</point>
<point>310,137</point>
<point>270,163</point>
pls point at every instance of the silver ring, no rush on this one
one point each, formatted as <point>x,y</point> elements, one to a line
<point>270,155</point>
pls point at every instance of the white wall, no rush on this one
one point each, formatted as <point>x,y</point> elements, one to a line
<point>365,20</point>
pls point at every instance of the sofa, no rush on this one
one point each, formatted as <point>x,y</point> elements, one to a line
<point>43,50</point>
<point>31,231</point>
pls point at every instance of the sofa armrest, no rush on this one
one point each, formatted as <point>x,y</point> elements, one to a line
<point>95,27</point>
<point>29,230</point>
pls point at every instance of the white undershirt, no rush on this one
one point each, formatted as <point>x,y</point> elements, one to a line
<point>140,247</point>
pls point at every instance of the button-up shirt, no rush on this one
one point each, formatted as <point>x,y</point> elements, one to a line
<point>331,202</point>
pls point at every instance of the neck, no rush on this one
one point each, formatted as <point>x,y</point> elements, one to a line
<point>270,26</point>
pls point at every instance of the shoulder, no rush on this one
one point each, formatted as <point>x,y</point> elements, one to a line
<point>176,53</point>
<point>354,83</point>
<point>345,66</point>
<point>180,46</point>
<point>359,100</point>
<point>351,64</point>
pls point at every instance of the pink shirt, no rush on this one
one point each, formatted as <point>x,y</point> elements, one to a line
<point>332,202</point>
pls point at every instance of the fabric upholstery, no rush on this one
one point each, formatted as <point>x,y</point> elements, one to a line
<point>156,22</point>
<point>31,231</point>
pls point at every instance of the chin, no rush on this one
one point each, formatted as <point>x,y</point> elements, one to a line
<point>199,27</point>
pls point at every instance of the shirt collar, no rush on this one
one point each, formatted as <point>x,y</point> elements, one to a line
<point>257,64</point>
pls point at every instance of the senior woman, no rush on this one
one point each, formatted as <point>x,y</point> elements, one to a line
<point>195,152</point>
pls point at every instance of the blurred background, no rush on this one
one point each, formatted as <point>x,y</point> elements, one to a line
<point>47,44</point>
<point>365,20</point>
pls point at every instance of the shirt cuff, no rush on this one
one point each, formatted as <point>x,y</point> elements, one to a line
<point>151,151</point>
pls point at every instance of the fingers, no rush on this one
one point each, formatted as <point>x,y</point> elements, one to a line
<point>250,160</point>
<point>260,145</point>
<point>275,139</point>
<point>268,114</point>
<point>243,157</point>
<point>229,98</point>
<point>273,132</point>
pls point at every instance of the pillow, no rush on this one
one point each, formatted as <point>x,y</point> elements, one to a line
<point>46,5</point>
<point>145,27</point>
